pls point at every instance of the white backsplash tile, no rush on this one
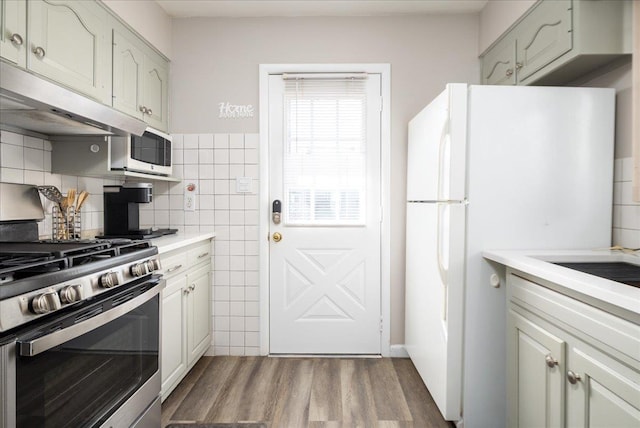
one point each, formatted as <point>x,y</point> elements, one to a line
<point>206,171</point>
<point>626,212</point>
<point>205,141</point>
<point>221,141</point>
<point>12,156</point>
<point>236,141</point>
<point>34,143</point>
<point>190,141</point>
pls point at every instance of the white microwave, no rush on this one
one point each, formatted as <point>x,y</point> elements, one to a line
<point>149,153</point>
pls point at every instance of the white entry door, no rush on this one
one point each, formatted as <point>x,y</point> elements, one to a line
<point>324,154</point>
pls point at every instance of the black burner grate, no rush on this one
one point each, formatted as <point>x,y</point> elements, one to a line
<point>20,260</point>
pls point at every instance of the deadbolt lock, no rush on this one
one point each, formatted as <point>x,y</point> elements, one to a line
<point>277,237</point>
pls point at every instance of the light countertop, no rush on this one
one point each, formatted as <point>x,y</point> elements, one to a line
<point>591,289</point>
<point>178,240</point>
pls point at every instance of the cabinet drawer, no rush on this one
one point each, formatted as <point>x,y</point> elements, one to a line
<point>199,254</point>
<point>173,264</point>
<point>620,334</point>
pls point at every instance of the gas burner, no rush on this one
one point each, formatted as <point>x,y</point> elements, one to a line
<point>31,270</point>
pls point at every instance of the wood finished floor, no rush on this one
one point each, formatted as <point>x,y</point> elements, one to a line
<point>304,392</point>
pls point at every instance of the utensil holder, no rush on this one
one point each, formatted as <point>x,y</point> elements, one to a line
<point>66,224</point>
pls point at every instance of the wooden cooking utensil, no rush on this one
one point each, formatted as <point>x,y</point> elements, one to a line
<point>71,198</point>
<point>81,198</point>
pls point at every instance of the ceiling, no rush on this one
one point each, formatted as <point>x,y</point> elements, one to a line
<point>258,8</point>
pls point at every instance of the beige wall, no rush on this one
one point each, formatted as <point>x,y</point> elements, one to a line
<point>148,19</point>
<point>216,60</point>
<point>496,17</point>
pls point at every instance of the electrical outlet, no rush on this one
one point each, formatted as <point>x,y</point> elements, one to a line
<point>189,201</point>
<point>190,197</point>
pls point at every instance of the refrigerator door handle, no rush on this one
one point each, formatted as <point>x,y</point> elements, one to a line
<point>444,162</point>
<point>442,268</point>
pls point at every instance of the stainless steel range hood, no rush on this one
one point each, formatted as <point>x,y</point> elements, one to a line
<point>31,103</point>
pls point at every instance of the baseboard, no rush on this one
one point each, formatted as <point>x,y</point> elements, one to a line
<point>398,351</point>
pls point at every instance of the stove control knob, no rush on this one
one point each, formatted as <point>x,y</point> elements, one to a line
<point>139,269</point>
<point>109,279</point>
<point>45,302</point>
<point>71,294</point>
<point>153,265</point>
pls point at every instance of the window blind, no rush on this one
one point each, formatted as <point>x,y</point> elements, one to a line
<point>324,165</point>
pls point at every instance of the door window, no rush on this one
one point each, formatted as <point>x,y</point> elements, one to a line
<point>325,144</point>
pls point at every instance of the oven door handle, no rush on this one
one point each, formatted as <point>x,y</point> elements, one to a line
<point>31,348</point>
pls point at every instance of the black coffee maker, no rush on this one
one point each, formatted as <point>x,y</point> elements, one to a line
<point>122,212</point>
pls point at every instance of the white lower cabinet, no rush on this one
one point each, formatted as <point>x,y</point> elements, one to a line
<point>605,393</point>
<point>174,332</point>
<point>537,382</point>
<point>569,364</point>
<point>186,312</point>
<point>198,313</point>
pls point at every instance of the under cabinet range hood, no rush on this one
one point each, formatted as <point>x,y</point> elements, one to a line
<point>28,102</point>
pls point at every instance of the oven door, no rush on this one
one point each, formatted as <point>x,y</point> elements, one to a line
<point>94,367</point>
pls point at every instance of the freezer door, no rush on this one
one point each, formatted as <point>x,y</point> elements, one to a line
<point>434,299</point>
<point>437,148</point>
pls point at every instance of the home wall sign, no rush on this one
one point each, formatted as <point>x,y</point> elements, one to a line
<point>227,110</point>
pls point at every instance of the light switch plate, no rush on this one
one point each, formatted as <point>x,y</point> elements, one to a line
<point>243,184</point>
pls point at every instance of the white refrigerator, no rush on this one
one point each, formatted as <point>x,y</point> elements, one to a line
<point>494,167</point>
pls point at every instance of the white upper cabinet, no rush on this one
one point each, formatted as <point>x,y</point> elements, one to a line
<point>68,42</point>
<point>81,45</point>
<point>13,31</point>
<point>499,65</point>
<point>155,92</point>
<point>544,36</point>
<point>140,79</point>
<point>128,62</point>
<point>557,41</point>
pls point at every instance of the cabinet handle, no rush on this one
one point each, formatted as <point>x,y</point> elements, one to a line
<point>186,290</point>
<point>203,255</point>
<point>192,287</point>
<point>143,109</point>
<point>573,377</point>
<point>39,52</point>
<point>16,39</point>
<point>149,111</point>
<point>509,72</point>
<point>551,362</point>
<point>519,65</point>
<point>175,268</point>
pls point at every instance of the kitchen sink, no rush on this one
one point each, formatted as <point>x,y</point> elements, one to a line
<point>623,272</point>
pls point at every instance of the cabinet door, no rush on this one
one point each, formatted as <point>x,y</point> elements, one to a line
<point>128,63</point>
<point>198,313</point>
<point>498,65</point>
<point>155,89</point>
<point>69,43</point>
<point>535,383</point>
<point>174,333</point>
<point>545,35</point>
<point>607,395</point>
<point>13,31</point>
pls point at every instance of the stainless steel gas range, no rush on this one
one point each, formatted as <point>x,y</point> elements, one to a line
<point>79,334</point>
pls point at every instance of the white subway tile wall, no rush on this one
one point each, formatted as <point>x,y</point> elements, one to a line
<point>212,162</point>
<point>626,212</point>
<point>27,160</point>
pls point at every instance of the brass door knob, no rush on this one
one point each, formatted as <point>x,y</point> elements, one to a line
<point>277,237</point>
